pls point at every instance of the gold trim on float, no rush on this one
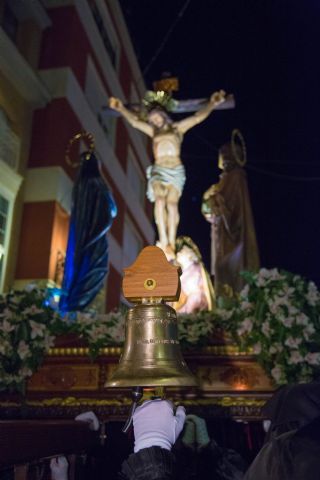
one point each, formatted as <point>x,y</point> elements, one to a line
<point>116,351</point>
<point>82,351</point>
<point>78,402</point>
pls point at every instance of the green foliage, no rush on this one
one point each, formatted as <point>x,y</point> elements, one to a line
<point>277,316</point>
<point>26,324</point>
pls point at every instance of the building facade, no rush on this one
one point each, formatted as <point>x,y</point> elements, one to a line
<point>60,61</point>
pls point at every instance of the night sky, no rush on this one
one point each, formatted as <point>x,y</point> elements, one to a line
<point>265,52</point>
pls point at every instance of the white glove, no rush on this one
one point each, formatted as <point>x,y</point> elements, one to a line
<point>155,424</point>
<point>59,468</point>
<point>90,418</point>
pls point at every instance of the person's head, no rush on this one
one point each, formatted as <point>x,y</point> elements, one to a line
<point>227,160</point>
<point>185,256</point>
<point>157,117</point>
<point>187,251</point>
<point>293,406</point>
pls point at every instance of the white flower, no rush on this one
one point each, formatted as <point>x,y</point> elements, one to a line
<point>274,306</point>
<point>302,319</point>
<point>266,330</point>
<point>245,291</point>
<point>31,286</point>
<point>275,275</point>
<point>5,347</point>
<point>287,321</point>
<point>33,310</point>
<point>265,275</point>
<point>23,350</point>
<point>224,314</point>
<point>245,326</point>
<point>293,342</point>
<point>25,372</point>
<point>245,305</point>
<point>276,372</point>
<point>308,331</point>
<point>37,329</point>
<point>85,319</point>
<point>7,314</point>
<point>313,294</point>
<point>313,358</point>
<point>261,282</point>
<point>286,291</point>
<point>295,357</point>
<point>6,326</point>
<point>15,299</point>
<point>257,348</point>
<point>292,310</point>
<point>48,341</point>
<point>276,347</point>
<point>97,332</point>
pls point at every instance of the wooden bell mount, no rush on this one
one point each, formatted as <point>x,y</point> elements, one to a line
<point>151,276</point>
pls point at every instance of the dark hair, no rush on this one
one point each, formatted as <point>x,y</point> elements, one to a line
<point>160,111</point>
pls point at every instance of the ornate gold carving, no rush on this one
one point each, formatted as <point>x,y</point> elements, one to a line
<point>77,377</point>
<point>241,378</point>
<point>233,377</point>
<point>216,350</point>
<point>83,351</point>
<point>83,401</point>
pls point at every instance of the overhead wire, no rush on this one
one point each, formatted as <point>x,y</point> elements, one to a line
<point>262,171</point>
<point>166,37</point>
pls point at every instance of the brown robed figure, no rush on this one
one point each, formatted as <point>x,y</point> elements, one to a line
<point>226,205</point>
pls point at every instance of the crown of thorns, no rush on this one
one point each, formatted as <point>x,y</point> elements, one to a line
<point>158,99</point>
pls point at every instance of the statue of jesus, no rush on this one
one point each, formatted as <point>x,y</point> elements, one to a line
<point>166,177</point>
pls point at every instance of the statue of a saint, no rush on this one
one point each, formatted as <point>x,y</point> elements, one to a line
<point>196,287</point>
<point>226,205</point>
<point>166,177</point>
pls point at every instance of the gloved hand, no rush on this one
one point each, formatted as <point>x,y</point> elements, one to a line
<point>189,433</point>
<point>59,468</point>
<point>155,424</point>
<point>90,418</point>
<point>201,433</point>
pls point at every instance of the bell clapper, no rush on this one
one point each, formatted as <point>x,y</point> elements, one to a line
<point>136,395</point>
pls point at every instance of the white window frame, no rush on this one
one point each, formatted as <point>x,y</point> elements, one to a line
<point>93,73</point>
<point>129,224</point>
<point>101,5</point>
<point>11,140</point>
<point>131,158</point>
<point>10,183</point>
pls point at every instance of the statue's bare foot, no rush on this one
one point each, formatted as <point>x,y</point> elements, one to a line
<point>170,253</point>
<point>168,250</point>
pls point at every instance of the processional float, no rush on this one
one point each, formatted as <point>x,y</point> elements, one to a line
<point>151,355</point>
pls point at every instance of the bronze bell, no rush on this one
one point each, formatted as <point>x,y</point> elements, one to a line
<point>151,354</point>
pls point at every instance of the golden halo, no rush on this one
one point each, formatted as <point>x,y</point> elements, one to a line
<point>86,136</point>
<point>237,134</point>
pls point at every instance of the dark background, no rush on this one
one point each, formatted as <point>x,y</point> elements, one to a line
<point>267,54</point>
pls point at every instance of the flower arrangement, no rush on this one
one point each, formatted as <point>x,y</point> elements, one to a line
<point>100,330</point>
<point>194,330</point>
<point>29,323</point>
<point>109,329</point>
<point>26,323</point>
<point>277,316</point>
